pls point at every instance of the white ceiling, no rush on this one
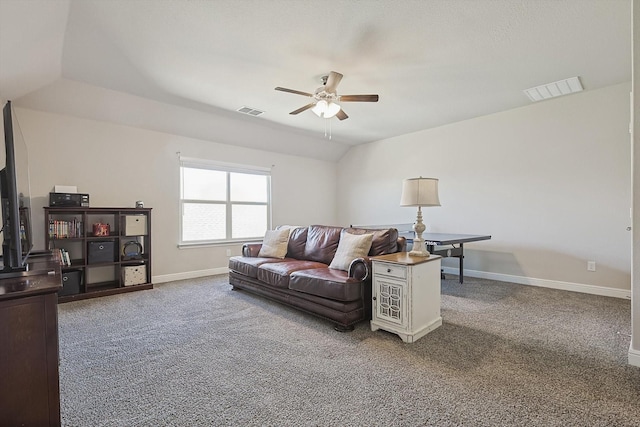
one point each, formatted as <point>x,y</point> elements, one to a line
<point>432,62</point>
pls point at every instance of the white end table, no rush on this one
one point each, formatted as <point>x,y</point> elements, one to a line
<point>406,295</point>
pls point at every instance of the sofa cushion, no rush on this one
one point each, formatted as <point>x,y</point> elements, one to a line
<point>322,243</point>
<point>385,241</point>
<point>274,244</point>
<point>277,273</point>
<point>351,246</point>
<point>248,265</point>
<point>297,242</point>
<point>326,283</point>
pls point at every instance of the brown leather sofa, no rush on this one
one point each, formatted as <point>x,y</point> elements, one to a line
<point>303,278</point>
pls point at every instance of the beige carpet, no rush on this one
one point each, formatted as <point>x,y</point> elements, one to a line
<point>197,353</point>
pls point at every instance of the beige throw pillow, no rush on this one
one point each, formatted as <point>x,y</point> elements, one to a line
<point>274,244</point>
<point>350,247</point>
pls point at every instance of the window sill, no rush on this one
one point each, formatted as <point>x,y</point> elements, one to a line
<point>219,243</point>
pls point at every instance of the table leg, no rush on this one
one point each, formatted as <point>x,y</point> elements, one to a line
<point>461,262</point>
<point>431,249</point>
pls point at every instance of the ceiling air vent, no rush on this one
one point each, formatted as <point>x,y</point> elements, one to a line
<point>551,90</point>
<point>250,111</point>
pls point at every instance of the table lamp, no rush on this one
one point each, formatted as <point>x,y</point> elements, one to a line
<point>419,192</point>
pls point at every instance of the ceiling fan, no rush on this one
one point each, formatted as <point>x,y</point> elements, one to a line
<point>325,98</point>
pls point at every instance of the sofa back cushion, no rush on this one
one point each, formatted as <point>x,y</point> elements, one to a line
<point>297,242</point>
<point>385,241</point>
<point>322,243</point>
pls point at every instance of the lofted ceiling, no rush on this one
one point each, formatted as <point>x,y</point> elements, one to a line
<point>432,62</point>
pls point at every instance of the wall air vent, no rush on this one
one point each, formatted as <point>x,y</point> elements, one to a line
<point>551,90</point>
<point>250,111</point>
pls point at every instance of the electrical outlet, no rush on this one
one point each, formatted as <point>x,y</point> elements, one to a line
<point>228,252</point>
<point>591,266</point>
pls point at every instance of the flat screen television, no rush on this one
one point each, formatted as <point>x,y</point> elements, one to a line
<point>14,195</point>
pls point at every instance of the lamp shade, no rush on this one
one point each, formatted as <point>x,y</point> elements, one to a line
<point>420,192</point>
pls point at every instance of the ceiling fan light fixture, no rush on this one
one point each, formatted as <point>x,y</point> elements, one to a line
<point>332,110</point>
<point>326,110</point>
<point>320,108</point>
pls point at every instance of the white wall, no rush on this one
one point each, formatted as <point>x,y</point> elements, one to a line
<point>118,165</point>
<point>550,182</point>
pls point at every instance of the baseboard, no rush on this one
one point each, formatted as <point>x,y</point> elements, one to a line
<point>634,357</point>
<point>544,283</point>
<point>189,275</point>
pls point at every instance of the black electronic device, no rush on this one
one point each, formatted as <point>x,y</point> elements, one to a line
<point>14,185</point>
<point>72,200</point>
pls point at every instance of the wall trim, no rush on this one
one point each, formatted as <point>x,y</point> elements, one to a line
<point>521,280</point>
<point>634,357</point>
<point>545,283</point>
<point>189,275</point>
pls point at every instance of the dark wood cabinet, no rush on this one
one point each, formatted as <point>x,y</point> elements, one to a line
<point>108,249</point>
<point>29,385</point>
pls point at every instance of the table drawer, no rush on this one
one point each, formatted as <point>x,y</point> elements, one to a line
<point>392,270</point>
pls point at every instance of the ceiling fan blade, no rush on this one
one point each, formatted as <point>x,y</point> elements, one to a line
<point>359,98</point>
<point>301,109</point>
<point>297,92</point>
<point>332,82</point>
<point>342,115</point>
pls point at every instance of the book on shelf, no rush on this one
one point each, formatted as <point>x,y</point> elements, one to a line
<point>61,229</point>
<point>62,256</point>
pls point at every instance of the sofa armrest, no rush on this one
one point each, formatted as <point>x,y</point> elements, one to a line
<point>360,268</point>
<point>251,249</point>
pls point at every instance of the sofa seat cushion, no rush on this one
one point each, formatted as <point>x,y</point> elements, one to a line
<point>277,273</point>
<point>249,265</point>
<point>326,283</point>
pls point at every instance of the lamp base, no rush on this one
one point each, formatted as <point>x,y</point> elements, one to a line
<point>419,248</point>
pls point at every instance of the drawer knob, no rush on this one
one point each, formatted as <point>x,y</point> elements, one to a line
<point>388,270</point>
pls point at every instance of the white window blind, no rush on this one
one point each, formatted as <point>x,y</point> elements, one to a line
<point>223,202</point>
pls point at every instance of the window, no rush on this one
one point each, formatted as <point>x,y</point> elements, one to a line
<point>221,202</point>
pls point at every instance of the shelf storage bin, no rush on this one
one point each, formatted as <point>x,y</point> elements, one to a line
<point>135,225</point>
<point>134,275</point>
<point>70,283</point>
<point>101,251</point>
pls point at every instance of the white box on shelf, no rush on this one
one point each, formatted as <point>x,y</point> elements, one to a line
<point>65,189</point>
<point>134,275</point>
<point>135,225</point>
